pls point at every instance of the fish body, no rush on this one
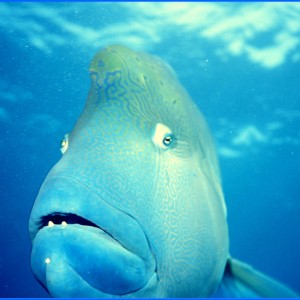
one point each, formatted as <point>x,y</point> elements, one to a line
<point>134,208</point>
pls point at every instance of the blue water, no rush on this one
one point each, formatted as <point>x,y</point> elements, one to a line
<point>239,61</point>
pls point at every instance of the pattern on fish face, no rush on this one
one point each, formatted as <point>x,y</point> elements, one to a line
<point>141,151</point>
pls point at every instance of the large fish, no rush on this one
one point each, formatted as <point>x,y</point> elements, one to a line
<point>135,207</point>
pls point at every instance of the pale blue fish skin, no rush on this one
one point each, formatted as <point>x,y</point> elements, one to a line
<point>160,206</point>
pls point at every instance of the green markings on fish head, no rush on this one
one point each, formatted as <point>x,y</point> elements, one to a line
<point>139,167</point>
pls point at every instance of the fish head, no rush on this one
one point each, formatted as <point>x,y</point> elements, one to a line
<point>134,208</point>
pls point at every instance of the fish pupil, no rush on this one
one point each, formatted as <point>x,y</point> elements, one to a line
<point>168,140</point>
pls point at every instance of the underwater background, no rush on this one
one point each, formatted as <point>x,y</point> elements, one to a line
<point>240,62</point>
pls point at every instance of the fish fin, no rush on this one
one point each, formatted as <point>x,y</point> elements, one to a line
<point>241,280</point>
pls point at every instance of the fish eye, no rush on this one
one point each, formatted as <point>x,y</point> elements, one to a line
<point>163,136</point>
<point>168,139</point>
<point>64,144</point>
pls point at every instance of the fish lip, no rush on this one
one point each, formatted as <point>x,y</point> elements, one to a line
<point>71,219</point>
<point>59,217</point>
<point>65,216</point>
<point>50,209</point>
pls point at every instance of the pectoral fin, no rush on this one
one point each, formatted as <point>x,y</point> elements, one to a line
<point>241,280</point>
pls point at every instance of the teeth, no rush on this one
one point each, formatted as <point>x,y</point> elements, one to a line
<point>50,224</point>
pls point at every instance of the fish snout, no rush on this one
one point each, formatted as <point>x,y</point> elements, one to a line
<point>84,246</point>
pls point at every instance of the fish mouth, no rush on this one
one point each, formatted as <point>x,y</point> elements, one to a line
<point>90,250</point>
<point>64,219</point>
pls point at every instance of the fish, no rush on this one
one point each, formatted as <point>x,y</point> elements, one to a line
<point>135,207</point>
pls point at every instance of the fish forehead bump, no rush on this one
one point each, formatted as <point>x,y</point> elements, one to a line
<point>136,86</point>
<point>116,57</point>
<point>135,73</point>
